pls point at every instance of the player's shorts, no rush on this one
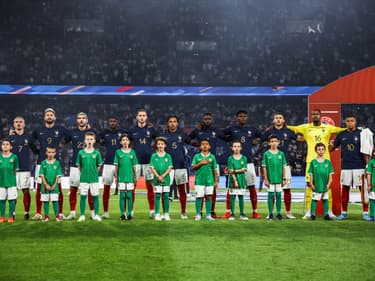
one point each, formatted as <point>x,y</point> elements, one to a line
<point>352,177</point>
<point>144,170</point>
<point>8,193</point>
<point>250,174</point>
<point>47,197</point>
<point>320,196</point>
<point>37,177</point>
<point>288,177</point>
<point>179,175</point>
<point>371,195</point>
<point>108,174</point>
<point>237,191</point>
<point>74,176</point>
<point>161,188</point>
<point>122,186</point>
<point>274,188</point>
<point>202,190</point>
<point>84,188</point>
<point>23,180</point>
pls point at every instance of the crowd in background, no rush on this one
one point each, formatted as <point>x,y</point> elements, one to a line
<point>181,42</point>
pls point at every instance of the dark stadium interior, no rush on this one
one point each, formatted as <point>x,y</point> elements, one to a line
<point>184,42</point>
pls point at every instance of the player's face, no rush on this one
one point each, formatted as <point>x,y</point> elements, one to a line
<point>273,143</point>
<point>320,150</point>
<point>82,121</point>
<point>142,117</point>
<point>172,124</point>
<point>278,120</point>
<point>112,123</point>
<point>89,140</point>
<point>207,120</point>
<point>351,123</point>
<point>205,146</point>
<point>125,142</point>
<point>51,153</point>
<point>19,123</point>
<point>242,118</point>
<point>315,116</point>
<point>49,117</point>
<point>236,147</point>
<point>6,146</point>
<point>160,145</point>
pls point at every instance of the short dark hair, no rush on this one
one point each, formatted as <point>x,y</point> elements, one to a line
<point>273,136</point>
<point>173,116</point>
<point>6,140</point>
<point>207,114</point>
<point>125,136</point>
<point>241,112</point>
<point>319,144</point>
<point>50,146</point>
<point>350,115</point>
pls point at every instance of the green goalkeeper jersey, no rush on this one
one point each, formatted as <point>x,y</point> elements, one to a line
<point>125,162</point>
<point>204,175</point>
<point>89,163</point>
<point>320,172</point>
<point>8,167</point>
<point>274,163</point>
<point>50,171</point>
<point>237,164</point>
<point>161,164</point>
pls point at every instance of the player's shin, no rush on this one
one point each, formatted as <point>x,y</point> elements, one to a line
<point>12,207</point>
<point>157,203</point>
<point>166,202</point>
<point>278,203</point>
<point>122,202</point>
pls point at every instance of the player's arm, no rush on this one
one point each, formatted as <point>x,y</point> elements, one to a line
<point>99,161</point>
<point>369,185</point>
<point>284,175</point>
<point>297,129</point>
<point>329,181</point>
<point>266,180</point>
<point>116,173</point>
<point>312,186</point>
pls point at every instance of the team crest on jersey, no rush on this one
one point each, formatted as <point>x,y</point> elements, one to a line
<point>179,139</point>
<point>166,160</point>
<point>214,134</point>
<point>249,133</point>
<point>94,157</point>
<point>355,139</point>
<point>285,136</point>
<point>279,157</point>
<point>55,167</point>
<point>131,156</point>
<point>242,162</point>
<point>26,141</point>
<point>326,166</point>
<point>148,133</point>
<point>118,134</point>
<point>57,133</point>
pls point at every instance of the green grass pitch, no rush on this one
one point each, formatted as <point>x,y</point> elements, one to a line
<point>144,249</point>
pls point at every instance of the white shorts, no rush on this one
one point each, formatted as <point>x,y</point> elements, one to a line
<point>122,186</point>
<point>74,175</point>
<point>202,190</point>
<point>237,191</point>
<point>288,177</point>
<point>371,195</point>
<point>84,188</point>
<point>274,188</point>
<point>352,177</point>
<point>179,175</point>
<point>37,178</point>
<point>49,197</point>
<point>320,196</point>
<point>23,180</point>
<point>161,188</point>
<point>108,174</point>
<point>250,174</point>
<point>9,193</point>
<point>144,170</point>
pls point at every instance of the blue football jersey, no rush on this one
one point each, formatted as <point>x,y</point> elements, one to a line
<point>285,135</point>
<point>246,135</point>
<point>351,156</point>
<point>212,134</point>
<point>111,141</point>
<point>175,147</point>
<point>22,145</point>
<point>142,139</point>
